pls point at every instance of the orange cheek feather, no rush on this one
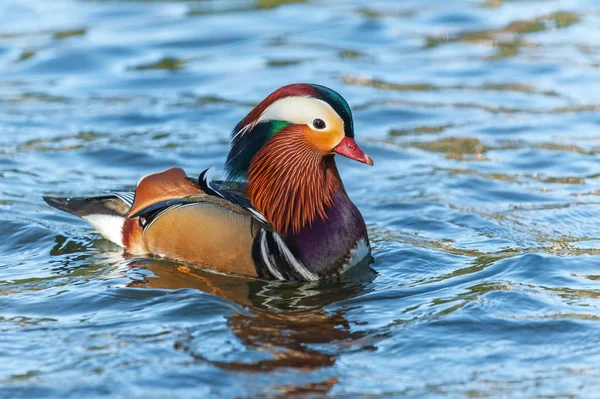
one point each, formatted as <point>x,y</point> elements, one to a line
<point>325,140</point>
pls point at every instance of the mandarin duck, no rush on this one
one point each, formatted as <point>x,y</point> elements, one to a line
<point>282,212</point>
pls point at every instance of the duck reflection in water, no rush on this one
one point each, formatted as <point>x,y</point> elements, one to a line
<point>286,319</point>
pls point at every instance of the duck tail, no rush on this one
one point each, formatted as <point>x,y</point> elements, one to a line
<point>83,206</point>
<point>106,213</point>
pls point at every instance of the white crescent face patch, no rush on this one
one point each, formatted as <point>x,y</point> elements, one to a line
<point>305,111</point>
<point>302,111</point>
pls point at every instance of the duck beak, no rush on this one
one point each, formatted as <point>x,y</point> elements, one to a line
<point>348,148</point>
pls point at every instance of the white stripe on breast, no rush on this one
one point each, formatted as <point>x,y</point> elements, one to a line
<point>264,251</point>
<point>291,259</point>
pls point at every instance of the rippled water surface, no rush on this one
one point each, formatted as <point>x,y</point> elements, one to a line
<point>483,118</point>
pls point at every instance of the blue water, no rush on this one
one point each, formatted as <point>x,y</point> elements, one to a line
<point>483,118</point>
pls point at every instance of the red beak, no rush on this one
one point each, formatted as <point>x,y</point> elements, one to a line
<point>348,148</point>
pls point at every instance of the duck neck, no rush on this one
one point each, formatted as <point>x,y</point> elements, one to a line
<point>300,193</point>
<point>330,245</point>
<point>291,183</point>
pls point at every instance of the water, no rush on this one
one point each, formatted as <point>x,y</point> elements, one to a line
<point>483,205</point>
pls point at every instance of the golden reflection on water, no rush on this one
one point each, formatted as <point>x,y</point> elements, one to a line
<point>287,320</point>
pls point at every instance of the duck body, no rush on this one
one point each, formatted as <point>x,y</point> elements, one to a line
<point>283,212</point>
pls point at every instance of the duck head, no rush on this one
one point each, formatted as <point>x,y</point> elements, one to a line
<point>284,150</point>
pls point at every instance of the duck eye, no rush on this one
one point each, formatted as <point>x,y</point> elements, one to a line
<point>319,124</point>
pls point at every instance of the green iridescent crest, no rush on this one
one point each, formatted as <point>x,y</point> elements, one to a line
<point>245,145</point>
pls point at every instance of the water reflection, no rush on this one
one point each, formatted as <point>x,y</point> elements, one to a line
<point>288,321</point>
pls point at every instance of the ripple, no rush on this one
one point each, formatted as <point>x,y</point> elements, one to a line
<point>482,207</point>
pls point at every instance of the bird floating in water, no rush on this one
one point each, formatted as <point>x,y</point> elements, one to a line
<point>282,213</point>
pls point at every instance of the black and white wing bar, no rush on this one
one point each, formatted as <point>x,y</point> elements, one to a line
<point>127,197</point>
